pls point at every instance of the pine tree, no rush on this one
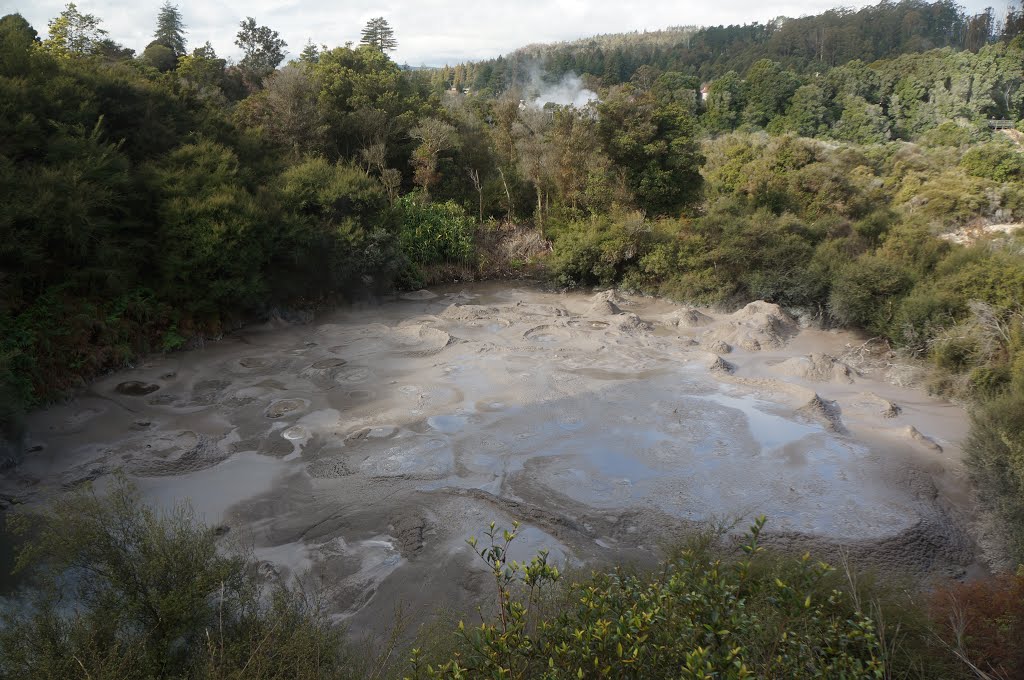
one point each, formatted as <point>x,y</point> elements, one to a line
<point>170,29</point>
<point>378,33</point>
<point>310,53</point>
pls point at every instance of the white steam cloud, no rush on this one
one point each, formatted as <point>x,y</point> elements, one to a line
<point>567,92</point>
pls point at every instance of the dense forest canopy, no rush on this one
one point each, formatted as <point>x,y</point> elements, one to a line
<point>805,45</point>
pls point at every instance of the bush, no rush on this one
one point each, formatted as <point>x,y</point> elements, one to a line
<point>332,216</point>
<point>700,616</point>
<point>601,249</point>
<point>983,623</point>
<point>995,459</point>
<point>126,591</point>
<point>998,160</point>
<point>865,293</point>
<point>434,233</point>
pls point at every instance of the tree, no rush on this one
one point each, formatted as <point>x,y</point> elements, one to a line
<point>17,38</point>
<point>654,145</point>
<point>861,123</point>
<point>202,70</point>
<point>808,112</point>
<point>154,596</point>
<point>159,56</point>
<point>378,33</point>
<point>170,29</point>
<point>768,89</point>
<point>287,112</point>
<point>112,51</point>
<point>73,33</point>
<point>724,104</point>
<point>310,53</point>
<point>263,47</point>
<point>434,137</point>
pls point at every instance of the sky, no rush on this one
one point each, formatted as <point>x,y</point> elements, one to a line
<point>429,32</point>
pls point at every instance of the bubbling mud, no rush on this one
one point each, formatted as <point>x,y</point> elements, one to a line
<point>369,445</point>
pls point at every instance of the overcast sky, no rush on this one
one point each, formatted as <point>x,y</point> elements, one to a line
<point>431,32</point>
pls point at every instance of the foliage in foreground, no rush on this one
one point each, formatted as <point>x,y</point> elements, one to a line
<point>701,616</point>
<point>118,590</point>
<point>123,591</point>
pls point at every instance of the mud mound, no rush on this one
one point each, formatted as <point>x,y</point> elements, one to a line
<point>323,373</point>
<point>418,295</point>
<point>934,544</point>
<point>603,308</point>
<point>611,295</point>
<point>527,309</point>
<point>353,375</point>
<point>631,323</point>
<point>134,388</point>
<point>177,454</point>
<point>884,407</point>
<point>825,412</point>
<point>760,325</point>
<point>817,367</point>
<point>716,346</point>
<point>687,318</point>
<point>720,365</point>
<point>915,435</point>
<point>418,340</point>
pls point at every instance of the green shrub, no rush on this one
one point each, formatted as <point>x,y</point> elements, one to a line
<point>923,313</point>
<point>995,459</point>
<point>702,615</point>
<point>601,249</point>
<point>125,591</point>
<point>333,213</point>
<point>998,160</point>
<point>434,233</point>
<point>866,292</point>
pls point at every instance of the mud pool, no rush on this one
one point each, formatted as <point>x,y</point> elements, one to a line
<point>364,448</point>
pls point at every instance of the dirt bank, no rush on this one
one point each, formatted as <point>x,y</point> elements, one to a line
<point>369,445</point>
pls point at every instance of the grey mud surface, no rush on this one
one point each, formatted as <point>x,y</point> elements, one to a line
<point>367,446</point>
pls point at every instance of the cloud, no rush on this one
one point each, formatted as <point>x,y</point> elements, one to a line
<point>432,33</point>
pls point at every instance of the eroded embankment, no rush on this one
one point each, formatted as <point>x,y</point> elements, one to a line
<point>369,445</point>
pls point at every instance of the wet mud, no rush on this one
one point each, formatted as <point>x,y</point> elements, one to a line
<point>367,446</point>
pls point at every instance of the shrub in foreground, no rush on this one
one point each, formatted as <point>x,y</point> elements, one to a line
<point>995,458</point>
<point>123,591</point>
<point>699,617</point>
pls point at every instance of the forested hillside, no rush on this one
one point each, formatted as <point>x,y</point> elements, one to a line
<point>807,45</point>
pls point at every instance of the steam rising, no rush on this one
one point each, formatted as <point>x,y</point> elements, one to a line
<point>568,92</point>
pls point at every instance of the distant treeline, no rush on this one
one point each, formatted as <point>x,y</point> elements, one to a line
<point>805,45</point>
